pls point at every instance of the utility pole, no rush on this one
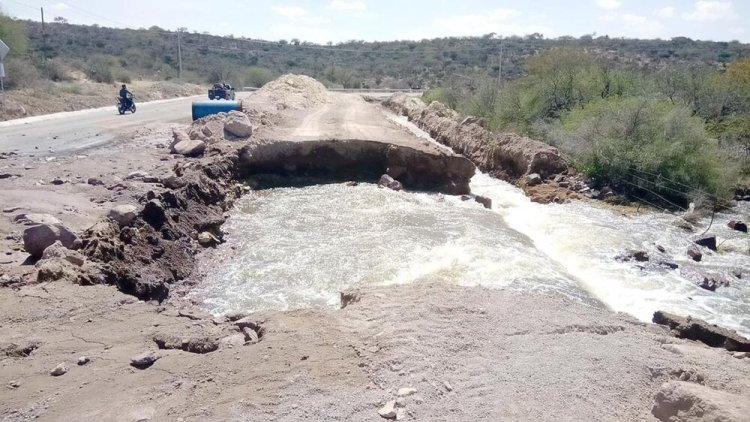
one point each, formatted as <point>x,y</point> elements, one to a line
<point>500,65</point>
<point>44,37</point>
<point>179,51</point>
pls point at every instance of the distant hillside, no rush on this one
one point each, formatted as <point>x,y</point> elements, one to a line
<point>152,53</point>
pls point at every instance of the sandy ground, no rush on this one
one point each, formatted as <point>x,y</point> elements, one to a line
<point>470,353</point>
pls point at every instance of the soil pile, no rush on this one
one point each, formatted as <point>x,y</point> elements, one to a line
<point>294,91</point>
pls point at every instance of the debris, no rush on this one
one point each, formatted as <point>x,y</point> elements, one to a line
<point>59,370</point>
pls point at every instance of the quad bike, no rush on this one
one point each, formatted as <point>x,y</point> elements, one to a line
<point>126,104</point>
<point>221,91</point>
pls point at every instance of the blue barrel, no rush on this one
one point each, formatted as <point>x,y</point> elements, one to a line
<point>207,108</point>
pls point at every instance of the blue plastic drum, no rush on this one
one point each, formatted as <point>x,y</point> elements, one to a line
<point>207,108</point>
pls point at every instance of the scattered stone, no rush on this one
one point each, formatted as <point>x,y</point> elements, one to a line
<point>34,219</point>
<point>201,345</point>
<point>235,316</point>
<point>738,226</point>
<point>11,209</point>
<point>704,279</point>
<point>668,264</point>
<point>688,401</point>
<point>60,369</point>
<point>139,174</point>
<point>661,248</point>
<point>349,296</point>
<point>388,411</point>
<point>400,402</point>
<point>707,240</point>
<point>487,202</point>
<point>207,240</point>
<point>533,179</point>
<point>474,120</point>
<point>83,360</point>
<point>352,184</point>
<point>448,386</point>
<point>238,125</point>
<point>14,350</point>
<point>14,384</point>
<point>173,182</point>
<point>230,342</point>
<point>37,238</point>
<point>699,330</point>
<point>694,253</point>
<point>248,322</point>
<point>57,181</point>
<point>144,360</point>
<point>124,215</point>
<point>151,179</point>
<point>154,214</point>
<point>93,181</point>
<point>57,250</point>
<point>251,336</point>
<point>740,355</point>
<point>406,391</point>
<point>633,255</point>
<point>390,183</point>
<point>189,148</point>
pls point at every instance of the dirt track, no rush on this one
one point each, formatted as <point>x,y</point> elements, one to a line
<point>471,353</point>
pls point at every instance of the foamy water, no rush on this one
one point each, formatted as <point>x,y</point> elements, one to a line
<point>299,247</point>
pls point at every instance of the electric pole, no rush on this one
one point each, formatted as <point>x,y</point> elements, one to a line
<point>44,37</point>
<point>500,65</point>
<point>179,52</point>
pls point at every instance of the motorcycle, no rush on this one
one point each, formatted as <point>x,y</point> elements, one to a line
<point>126,104</point>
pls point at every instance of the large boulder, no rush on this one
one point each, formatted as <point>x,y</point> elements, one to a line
<point>679,401</point>
<point>238,125</point>
<point>387,181</point>
<point>189,148</point>
<point>699,330</point>
<point>37,238</point>
<point>58,251</point>
<point>33,219</point>
<point>737,225</point>
<point>706,240</point>
<point>124,215</point>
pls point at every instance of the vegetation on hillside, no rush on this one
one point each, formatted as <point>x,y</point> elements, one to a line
<point>670,135</point>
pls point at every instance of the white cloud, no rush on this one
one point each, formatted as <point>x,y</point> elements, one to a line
<point>705,11</point>
<point>60,6</point>
<point>609,4</point>
<point>641,26</point>
<point>497,21</point>
<point>356,5</point>
<point>665,12</point>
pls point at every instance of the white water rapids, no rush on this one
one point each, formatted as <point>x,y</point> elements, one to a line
<point>299,247</point>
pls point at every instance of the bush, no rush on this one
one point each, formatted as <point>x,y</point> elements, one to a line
<point>99,68</point>
<point>54,70</point>
<point>20,74</point>
<point>648,147</point>
<point>447,96</point>
<point>257,77</point>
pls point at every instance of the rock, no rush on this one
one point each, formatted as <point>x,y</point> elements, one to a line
<point>238,125</point>
<point>248,322</point>
<point>406,391</point>
<point>474,120</point>
<point>740,355</point>
<point>633,255</point>
<point>178,136</point>
<point>235,316</point>
<point>138,174</point>
<point>173,182</point>
<point>11,209</point>
<point>679,401</point>
<point>350,296</point>
<point>189,148</point>
<point>661,248</point>
<point>694,253</point>
<point>168,341</point>
<point>699,330</point>
<point>151,179</point>
<point>737,225</point>
<point>154,214</point>
<point>251,336</point>
<point>60,369</point>
<point>34,219</point>
<point>389,182</point>
<point>83,360</point>
<point>94,181</point>
<point>559,178</point>
<point>533,179</point>
<point>487,202</point>
<point>704,279</point>
<point>37,238</point>
<point>57,181</point>
<point>57,250</point>
<point>201,345</point>
<point>233,341</point>
<point>667,264</point>
<point>706,240</point>
<point>144,360</point>
<point>124,215</point>
<point>448,386</point>
<point>388,411</point>
<point>207,240</point>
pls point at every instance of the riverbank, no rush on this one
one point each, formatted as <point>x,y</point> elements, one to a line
<point>470,353</point>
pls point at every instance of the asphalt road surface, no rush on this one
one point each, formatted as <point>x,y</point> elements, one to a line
<point>70,132</point>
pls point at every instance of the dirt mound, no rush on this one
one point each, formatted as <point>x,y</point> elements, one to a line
<point>294,91</point>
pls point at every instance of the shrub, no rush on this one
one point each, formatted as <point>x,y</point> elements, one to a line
<point>257,76</point>
<point>447,96</point>
<point>648,147</point>
<point>99,68</point>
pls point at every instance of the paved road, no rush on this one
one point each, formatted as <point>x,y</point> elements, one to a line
<point>75,131</point>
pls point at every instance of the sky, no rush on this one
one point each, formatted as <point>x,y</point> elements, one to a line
<point>321,21</point>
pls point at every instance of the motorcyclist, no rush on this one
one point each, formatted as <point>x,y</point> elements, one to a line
<point>125,95</point>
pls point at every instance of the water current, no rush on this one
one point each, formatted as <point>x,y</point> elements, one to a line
<point>299,247</point>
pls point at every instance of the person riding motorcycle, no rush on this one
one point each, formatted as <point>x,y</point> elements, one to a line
<point>125,96</point>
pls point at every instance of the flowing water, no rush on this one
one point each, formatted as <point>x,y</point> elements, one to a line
<point>299,247</point>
